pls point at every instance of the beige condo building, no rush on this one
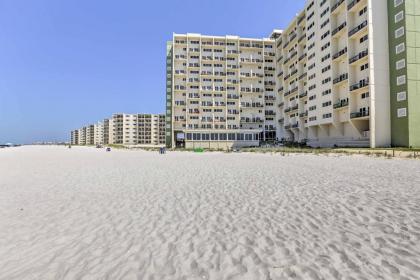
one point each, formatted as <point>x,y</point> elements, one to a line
<point>123,129</point>
<point>220,91</point>
<point>333,75</point>
<point>138,129</point>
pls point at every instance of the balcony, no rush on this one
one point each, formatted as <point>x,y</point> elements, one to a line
<point>269,98</point>
<point>251,105</point>
<point>302,56</point>
<point>303,75</point>
<point>359,56</point>
<point>352,4</point>
<point>281,120</point>
<point>303,94</point>
<point>338,29</point>
<point>251,60</point>
<point>295,125</point>
<point>302,38</point>
<point>341,104</point>
<point>300,20</point>
<point>361,84</point>
<point>341,78</point>
<point>340,53</point>
<point>252,120</point>
<point>290,92</point>
<point>358,28</point>
<point>336,6</point>
<point>303,115</point>
<point>361,114</point>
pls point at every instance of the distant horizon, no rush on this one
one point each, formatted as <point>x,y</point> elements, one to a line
<point>66,65</point>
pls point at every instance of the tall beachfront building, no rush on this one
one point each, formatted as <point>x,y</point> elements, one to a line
<point>123,129</point>
<point>333,74</point>
<point>138,129</point>
<point>220,91</point>
<point>339,80</point>
<point>404,58</point>
<point>74,138</point>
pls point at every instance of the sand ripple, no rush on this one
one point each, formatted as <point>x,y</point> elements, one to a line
<point>87,214</point>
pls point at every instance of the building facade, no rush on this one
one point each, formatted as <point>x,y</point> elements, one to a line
<point>74,138</point>
<point>333,72</point>
<point>220,91</point>
<point>124,129</point>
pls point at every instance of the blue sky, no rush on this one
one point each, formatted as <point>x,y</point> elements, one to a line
<point>64,64</point>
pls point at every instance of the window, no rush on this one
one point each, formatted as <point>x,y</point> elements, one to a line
<point>401,96</point>
<point>398,2</point>
<point>402,112</point>
<point>364,67</point>
<point>401,80</point>
<point>400,64</point>
<point>399,32</point>
<point>365,95</point>
<point>400,48</point>
<point>399,17</point>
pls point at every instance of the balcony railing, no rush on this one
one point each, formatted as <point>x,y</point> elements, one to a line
<point>352,4</point>
<point>301,19</point>
<point>359,56</point>
<point>336,5</point>
<point>303,94</point>
<point>301,38</point>
<point>358,28</point>
<point>362,114</point>
<point>340,53</point>
<point>303,115</point>
<point>341,78</point>
<point>339,28</point>
<point>342,103</point>
<point>361,84</point>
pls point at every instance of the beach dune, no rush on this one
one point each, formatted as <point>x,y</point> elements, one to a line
<point>83,213</point>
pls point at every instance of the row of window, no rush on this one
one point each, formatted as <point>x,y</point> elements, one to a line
<point>223,136</point>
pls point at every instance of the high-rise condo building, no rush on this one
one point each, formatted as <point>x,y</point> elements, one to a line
<point>123,129</point>
<point>333,72</point>
<point>342,73</point>
<point>220,91</point>
<point>74,139</point>
<point>138,129</point>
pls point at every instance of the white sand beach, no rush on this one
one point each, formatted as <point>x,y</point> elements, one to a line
<point>82,213</point>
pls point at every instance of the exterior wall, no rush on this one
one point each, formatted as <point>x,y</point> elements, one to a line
<point>332,69</point>
<point>98,134</point>
<point>379,74</point>
<point>124,129</point>
<point>221,84</point>
<point>405,127</point>
<point>169,104</point>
